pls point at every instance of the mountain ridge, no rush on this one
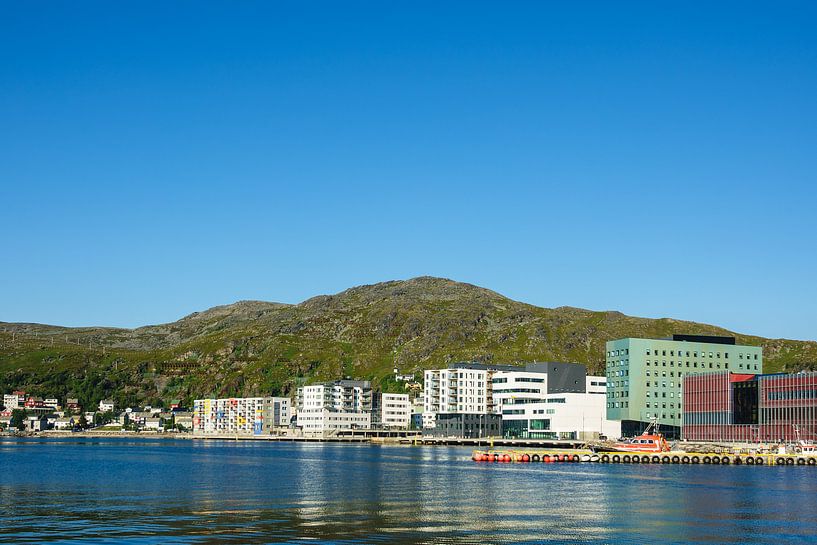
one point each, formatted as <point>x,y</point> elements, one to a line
<point>253,347</point>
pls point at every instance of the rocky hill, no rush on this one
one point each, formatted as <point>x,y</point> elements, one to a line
<point>254,347</point>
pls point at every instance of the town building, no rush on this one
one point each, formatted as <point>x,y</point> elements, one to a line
<point>339,405</point>
<point>154,423</point>
<point>391,411</point>
<point>461,388</point>
<point>277,412</point>
<point>14,400</point>
<point>230,415</point>
<point>746,407</point>
<point>183,419</point>
<point>417,408</point>
<point>645,376</point>
<point>65,423</point>
<point>106,405</point>
<point>406,377</point>
<point>552,400</point>
<point>36,423</point>
<point>466,425</point>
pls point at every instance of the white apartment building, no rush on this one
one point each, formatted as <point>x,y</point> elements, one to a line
<point>462,388</point>
<point>339,405</point>
<point>391,411</point>
<point>15,400</point>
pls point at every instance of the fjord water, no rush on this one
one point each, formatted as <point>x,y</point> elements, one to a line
<point>180,491</point>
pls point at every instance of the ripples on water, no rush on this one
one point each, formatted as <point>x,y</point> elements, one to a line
<point>157,491</point>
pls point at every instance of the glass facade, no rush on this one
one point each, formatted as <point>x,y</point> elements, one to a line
<point>738,407</point>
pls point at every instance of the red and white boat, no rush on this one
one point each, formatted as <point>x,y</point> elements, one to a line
<point>647,442</point>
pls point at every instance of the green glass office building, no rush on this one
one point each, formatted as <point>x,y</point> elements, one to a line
<point>644,376</point>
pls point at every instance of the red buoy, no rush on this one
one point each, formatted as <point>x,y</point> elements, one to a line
<point>506,458</point>
<point>525,458</point>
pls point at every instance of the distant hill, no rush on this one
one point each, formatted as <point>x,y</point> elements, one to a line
<point>254,347</point>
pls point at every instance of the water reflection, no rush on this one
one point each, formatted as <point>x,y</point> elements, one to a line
<point>215,492</point>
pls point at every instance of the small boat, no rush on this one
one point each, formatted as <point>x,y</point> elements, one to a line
<point>804,447</point>
<point>648,442</point>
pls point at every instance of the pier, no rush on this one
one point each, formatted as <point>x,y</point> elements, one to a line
<point>667,458</point>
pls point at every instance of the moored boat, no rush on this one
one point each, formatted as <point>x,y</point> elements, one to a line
<point>648,442</point>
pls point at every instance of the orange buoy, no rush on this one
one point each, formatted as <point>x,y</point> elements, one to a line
<point>525,458</point>
<point>506,458</point>
<point>546,458</point>
<point>484,457</point>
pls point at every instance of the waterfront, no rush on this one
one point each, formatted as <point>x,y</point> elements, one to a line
<point>121,490</point>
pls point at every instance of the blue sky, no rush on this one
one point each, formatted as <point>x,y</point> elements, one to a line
<point>158,159</point>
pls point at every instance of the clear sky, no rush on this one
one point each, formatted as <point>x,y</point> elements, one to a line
<point>158,159</point>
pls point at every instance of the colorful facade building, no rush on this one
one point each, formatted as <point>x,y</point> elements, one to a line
<point>244,415</point>
<point>743,407</point>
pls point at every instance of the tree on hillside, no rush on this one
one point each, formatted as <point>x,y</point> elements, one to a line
<point>18,419</point>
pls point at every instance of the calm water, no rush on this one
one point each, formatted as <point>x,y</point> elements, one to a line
<point>156,491</point>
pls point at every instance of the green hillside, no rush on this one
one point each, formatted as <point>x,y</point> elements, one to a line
<point>254,347</point>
